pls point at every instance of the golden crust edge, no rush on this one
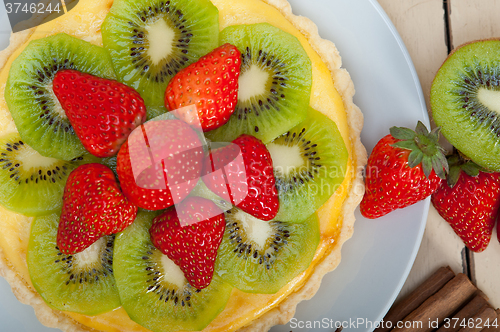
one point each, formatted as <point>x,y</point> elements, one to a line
<point>282,313</point>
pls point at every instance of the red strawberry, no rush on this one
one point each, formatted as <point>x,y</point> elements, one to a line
<point>93,206</point>
<point>469,202</point>
<point>190,237</point>
<point>160,164</point>
<point>404,167</point>
<point>102,112</point>
<point>245,178</point>
<point>210,84</point>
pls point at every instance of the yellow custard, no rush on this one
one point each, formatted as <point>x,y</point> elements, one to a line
<point>84,22</point>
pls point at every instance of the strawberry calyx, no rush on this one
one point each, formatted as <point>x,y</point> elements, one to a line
<point>424,147</point>
<point>458,163</point>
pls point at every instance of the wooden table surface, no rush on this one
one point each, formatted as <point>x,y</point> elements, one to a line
<point>430,29</point>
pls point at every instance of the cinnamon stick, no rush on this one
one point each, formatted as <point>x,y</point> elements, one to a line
<point>411,302</point>
<point>476,323</point>
<point>492,323</point>
<point>467,312</point>
<point>445,302</point>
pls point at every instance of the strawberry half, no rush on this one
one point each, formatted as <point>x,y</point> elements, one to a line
<point>102,112</point>
<point>242,173</point>
<point>404,167</point>
<point>469,202</point>
<point>210,84</point>
<point>190,237</point>
<point>93,206</point>
<point>160,164</point>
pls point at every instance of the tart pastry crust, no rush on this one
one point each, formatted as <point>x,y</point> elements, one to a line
<point>284,311</point>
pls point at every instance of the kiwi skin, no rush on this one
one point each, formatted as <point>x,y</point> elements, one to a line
<point>468,124</point>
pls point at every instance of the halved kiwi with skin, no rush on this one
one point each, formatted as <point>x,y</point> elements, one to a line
<point>37,113</point>
<point>154,291</point>
<point>30,183</point>
<point>274,83</point>
<point>310,163</point>
<point>464,101</point>
<point>150,41</point>
<point>258,256</point>
<point>81,283</point>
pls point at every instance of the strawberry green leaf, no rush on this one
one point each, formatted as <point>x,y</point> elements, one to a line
<point>415,158</point>
<point>421,129</point>
<point>427,166</point>
<point>402,133</point>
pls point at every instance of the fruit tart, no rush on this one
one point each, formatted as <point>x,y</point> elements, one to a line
<point>287,110</point>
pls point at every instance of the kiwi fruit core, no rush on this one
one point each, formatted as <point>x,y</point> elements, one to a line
<point>154,291</point>
<point>465,99</point>
<point>274,83</point>
<point>30,183</point>
<point>81,283</point>
<point>37,113</point>
<point>309,162</point>
<point>258,256</point>
<point>150,41</point>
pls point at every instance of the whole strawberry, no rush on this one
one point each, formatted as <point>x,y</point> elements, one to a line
<point>469,202</point>
<point>242,173</point>
<point>210,85</point>
<point>190,235</point>
<point>93,206</point>
<point>160,164</point>
<point>404,167</point>
<point>102,112</point>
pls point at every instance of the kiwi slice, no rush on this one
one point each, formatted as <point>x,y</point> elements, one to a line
<point>81,283</point>
<point>150,41</point>
<point>274,85</point>
<point>36,111</point>
<point>30,183</point>
<point>154,291</point>
<point>310,163</point>
<point>258,256</point>
<point>464,101</point>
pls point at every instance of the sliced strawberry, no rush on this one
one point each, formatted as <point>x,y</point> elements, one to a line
<point>243,173</point>
<point>102,112</point>
<point>210,85</point>
<point>190,237</point>
<point>160,164</point>
<point>93,206</point>
<point>469,202</point>
<point>404,167</point>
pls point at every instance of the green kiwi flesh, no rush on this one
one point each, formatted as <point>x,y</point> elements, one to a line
<point>464,101</point>
<point>150,41</point>
<point>37,113</point>
<point>258,256</point>
<point>310,162</point>
<point>81,283</point>
<point>153,289</point>
<point>274,83</point>
<point>30,183</point>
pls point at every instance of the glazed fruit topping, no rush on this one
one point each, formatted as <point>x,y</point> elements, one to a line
<point>93,206</point>
<point>102,112</point>
<point>250,180</point>
<point>190,235</point>
<point>160,164</point>
<point>210,85</point>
